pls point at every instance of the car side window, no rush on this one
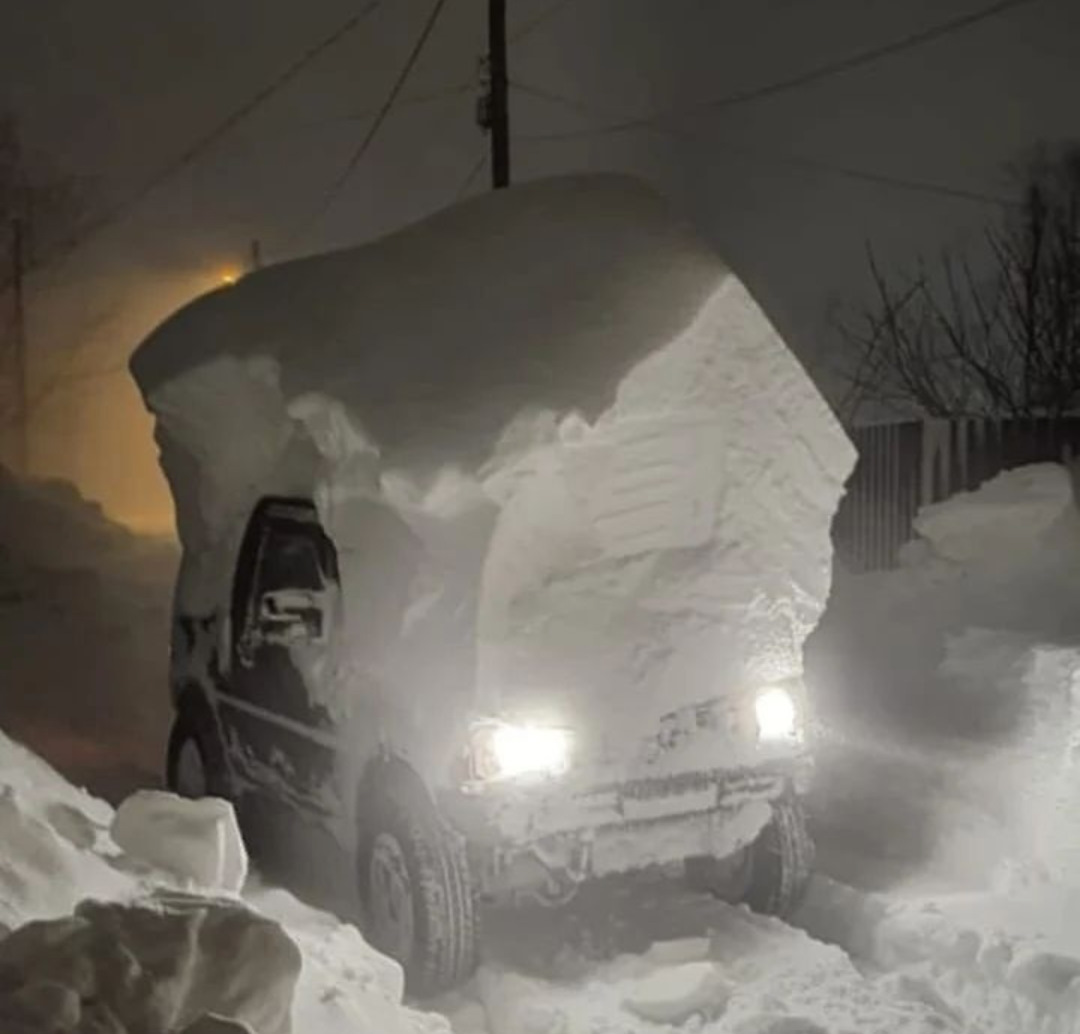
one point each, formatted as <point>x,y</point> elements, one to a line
<point>290,560</point>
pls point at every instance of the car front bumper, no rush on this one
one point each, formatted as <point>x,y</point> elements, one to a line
<point>560,834</point>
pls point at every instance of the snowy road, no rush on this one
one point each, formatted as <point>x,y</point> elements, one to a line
<point>646,954</point>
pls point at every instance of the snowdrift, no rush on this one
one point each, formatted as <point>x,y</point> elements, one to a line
<point>84,616</point>
<point>607,451</point>
<point>951,687</point>
<point>95,937</point>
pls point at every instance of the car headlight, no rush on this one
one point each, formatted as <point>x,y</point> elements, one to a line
<point>777,715</point>
<point>502,750</point>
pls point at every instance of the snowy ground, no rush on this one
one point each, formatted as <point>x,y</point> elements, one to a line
<point>638,956</point>
<point>947,695</point>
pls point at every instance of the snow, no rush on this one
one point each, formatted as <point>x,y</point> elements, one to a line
<point>196,841</point>
<point>949,755</point>
<point>610,456</point>
<point>103,939</point>
<point>675,993</point>
<point>84,620</point>
<point>757,974</point>
<point>947,749</point>
<point>156,965</point>
<point>946,693</point>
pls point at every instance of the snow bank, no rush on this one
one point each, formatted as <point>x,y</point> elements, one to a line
<point>1031,775</point>
<point>107,940</point>
<point>55,847</point>
<point>84,611</point>
<point>998,964</point>
<point>150,966</point>
<point>946,690</point>
<point>608,452</point>
<point>1019,510</point>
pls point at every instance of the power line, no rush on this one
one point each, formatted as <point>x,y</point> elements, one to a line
<point>364,114</point>
<point>193,152</point>
<point>824,71</point>
<point>470,179</point>
<point>753,154</point>
<point>866,57</point>
<point>535,22</point>
<point>357,156</point>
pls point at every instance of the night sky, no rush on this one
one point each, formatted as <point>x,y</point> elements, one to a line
<point>117,89</point>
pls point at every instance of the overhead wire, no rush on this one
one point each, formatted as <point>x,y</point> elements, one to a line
<point>198,147</point>
<point>470,179</point>
<point>858,60</point>
<point>532,24</point>
<point>821,72</point>
<point>756,154</point>
<point>333,192</point>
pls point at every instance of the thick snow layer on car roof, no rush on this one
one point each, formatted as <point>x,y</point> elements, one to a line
<point>437,335</point>
<point>569,400</point>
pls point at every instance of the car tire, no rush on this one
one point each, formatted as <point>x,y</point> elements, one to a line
<point>782,861</point>
<point>415,887</point>
<point>195,763</point>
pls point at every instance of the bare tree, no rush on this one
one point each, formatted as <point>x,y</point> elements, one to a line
<point>43,208</point>
<point>945,341</point>
<point>48,203</point>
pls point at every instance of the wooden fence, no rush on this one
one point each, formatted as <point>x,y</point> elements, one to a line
<point>904,466</point>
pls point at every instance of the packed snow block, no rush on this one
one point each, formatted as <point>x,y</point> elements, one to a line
<point>675,993</point>
<point>198,841</point>
<point>618,470</point>
<point>153,966</point>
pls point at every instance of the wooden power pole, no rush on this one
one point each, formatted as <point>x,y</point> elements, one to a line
<point>498,100</point>
<point>20,360</point>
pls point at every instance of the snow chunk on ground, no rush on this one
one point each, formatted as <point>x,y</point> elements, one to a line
<point>150,966</point>
<point>196,841</point>
<point>674,994</point>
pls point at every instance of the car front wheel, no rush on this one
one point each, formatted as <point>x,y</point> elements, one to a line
<point>782,861</point>
<point>415,888</point>
<point>771,874</point>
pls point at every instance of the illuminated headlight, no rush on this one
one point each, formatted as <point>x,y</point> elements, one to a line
<point>777,715</point>
<point>504,751</point>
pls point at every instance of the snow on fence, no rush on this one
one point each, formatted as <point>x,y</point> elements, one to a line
<point>905,466</point>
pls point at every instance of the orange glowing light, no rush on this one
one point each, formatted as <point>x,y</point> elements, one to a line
<point>228,278</point>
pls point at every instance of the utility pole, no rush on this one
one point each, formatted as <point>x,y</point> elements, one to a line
<point>256,255</point>
<point>20,359</point>
<point>498,111</point>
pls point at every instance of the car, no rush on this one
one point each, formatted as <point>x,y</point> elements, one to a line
<point>502,536</point>
<point>508,805</point>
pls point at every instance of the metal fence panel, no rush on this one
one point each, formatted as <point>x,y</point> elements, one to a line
<point>905,466</point>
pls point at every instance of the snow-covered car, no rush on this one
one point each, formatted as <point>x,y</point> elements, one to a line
<point>501,539</point>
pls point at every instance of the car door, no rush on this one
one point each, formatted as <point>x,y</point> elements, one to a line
<point>286,608</point>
